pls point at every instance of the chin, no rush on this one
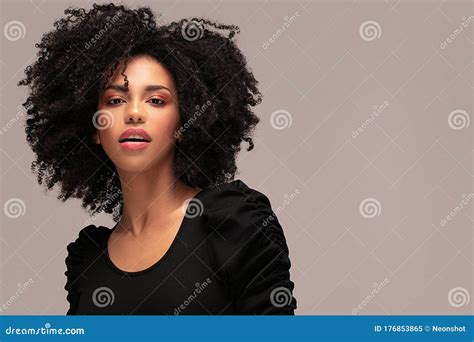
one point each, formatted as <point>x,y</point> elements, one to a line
<point>138,163</point>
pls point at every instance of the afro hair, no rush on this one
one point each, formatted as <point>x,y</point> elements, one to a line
<point>215,87</point>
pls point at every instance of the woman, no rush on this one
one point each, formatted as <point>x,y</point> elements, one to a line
<point>144,122</point>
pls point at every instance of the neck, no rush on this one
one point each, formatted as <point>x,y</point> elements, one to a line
<point>150,198</point>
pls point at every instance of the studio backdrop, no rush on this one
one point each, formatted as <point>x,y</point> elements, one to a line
<point>364,150</point>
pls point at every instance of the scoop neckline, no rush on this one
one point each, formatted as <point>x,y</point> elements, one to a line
<point>164,256</point>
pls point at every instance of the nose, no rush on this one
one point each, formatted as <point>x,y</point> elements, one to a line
<point>135,114</point>
<point>131,117</point>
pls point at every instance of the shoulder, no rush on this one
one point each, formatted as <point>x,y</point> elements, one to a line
<point>234,197</point>
<point>235,192</point>
<point>241,218</point>
<point>236,209</point>
<point>88,242</point>
<point>249,249</point>
<point>79,254</point>
<point>87,236</point>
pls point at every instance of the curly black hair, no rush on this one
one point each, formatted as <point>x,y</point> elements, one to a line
<point>76,59</point>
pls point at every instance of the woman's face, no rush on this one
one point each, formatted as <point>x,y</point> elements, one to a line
<point>150,104</point>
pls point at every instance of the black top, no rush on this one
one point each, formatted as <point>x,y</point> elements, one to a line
<point>229,257</point>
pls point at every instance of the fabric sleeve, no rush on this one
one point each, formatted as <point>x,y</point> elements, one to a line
<point>252,254</point>
<point>74,265</point>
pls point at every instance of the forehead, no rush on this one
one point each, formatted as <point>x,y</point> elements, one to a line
<point>142,71</point>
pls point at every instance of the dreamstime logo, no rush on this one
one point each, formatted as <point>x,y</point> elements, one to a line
<point>107,26</point>
<point>370,30</point>
<point>288,199</point>
<point>103,296</point>
<point>48,329</point>
<point>377,110</point>
<point>20,113</point>
<point>21,288</point>
<point>376,288</point>
<point>14,208</point>
<point>192,30</point>
<point>370,207</point>
<point>200,287</point>
<point>459,119</point>
<point>113,198</point>
<point>456,32</point>
<point>110,200</point>
<point>197,113</point>
<point>281,119</point>
<point>462,204</point>
<point>193,208</point>
<point>102,119</point>
<point>459,296</point>
<point>14,30</point>
<point>280,297</point>
<point>286,24</point>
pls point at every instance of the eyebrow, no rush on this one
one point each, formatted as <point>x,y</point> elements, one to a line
<point>123,89</point>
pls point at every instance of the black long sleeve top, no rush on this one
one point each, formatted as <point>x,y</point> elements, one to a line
<point>229,256</point>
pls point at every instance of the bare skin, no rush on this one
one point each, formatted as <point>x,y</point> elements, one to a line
<point>154,199</point>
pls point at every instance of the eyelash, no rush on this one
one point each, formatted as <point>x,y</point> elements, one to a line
<point>115,104</point>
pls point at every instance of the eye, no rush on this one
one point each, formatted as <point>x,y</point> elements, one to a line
<point>157,101</point>
<point>113,101</point>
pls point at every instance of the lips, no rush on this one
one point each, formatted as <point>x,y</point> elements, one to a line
<point>134,145</point>
<point>134,135</point>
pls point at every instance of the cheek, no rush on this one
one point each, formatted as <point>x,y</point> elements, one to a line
<point>164,125</point>
<point>105,123</point>
<point>109,139</point>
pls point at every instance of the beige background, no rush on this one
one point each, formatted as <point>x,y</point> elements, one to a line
<point>366,231</point>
